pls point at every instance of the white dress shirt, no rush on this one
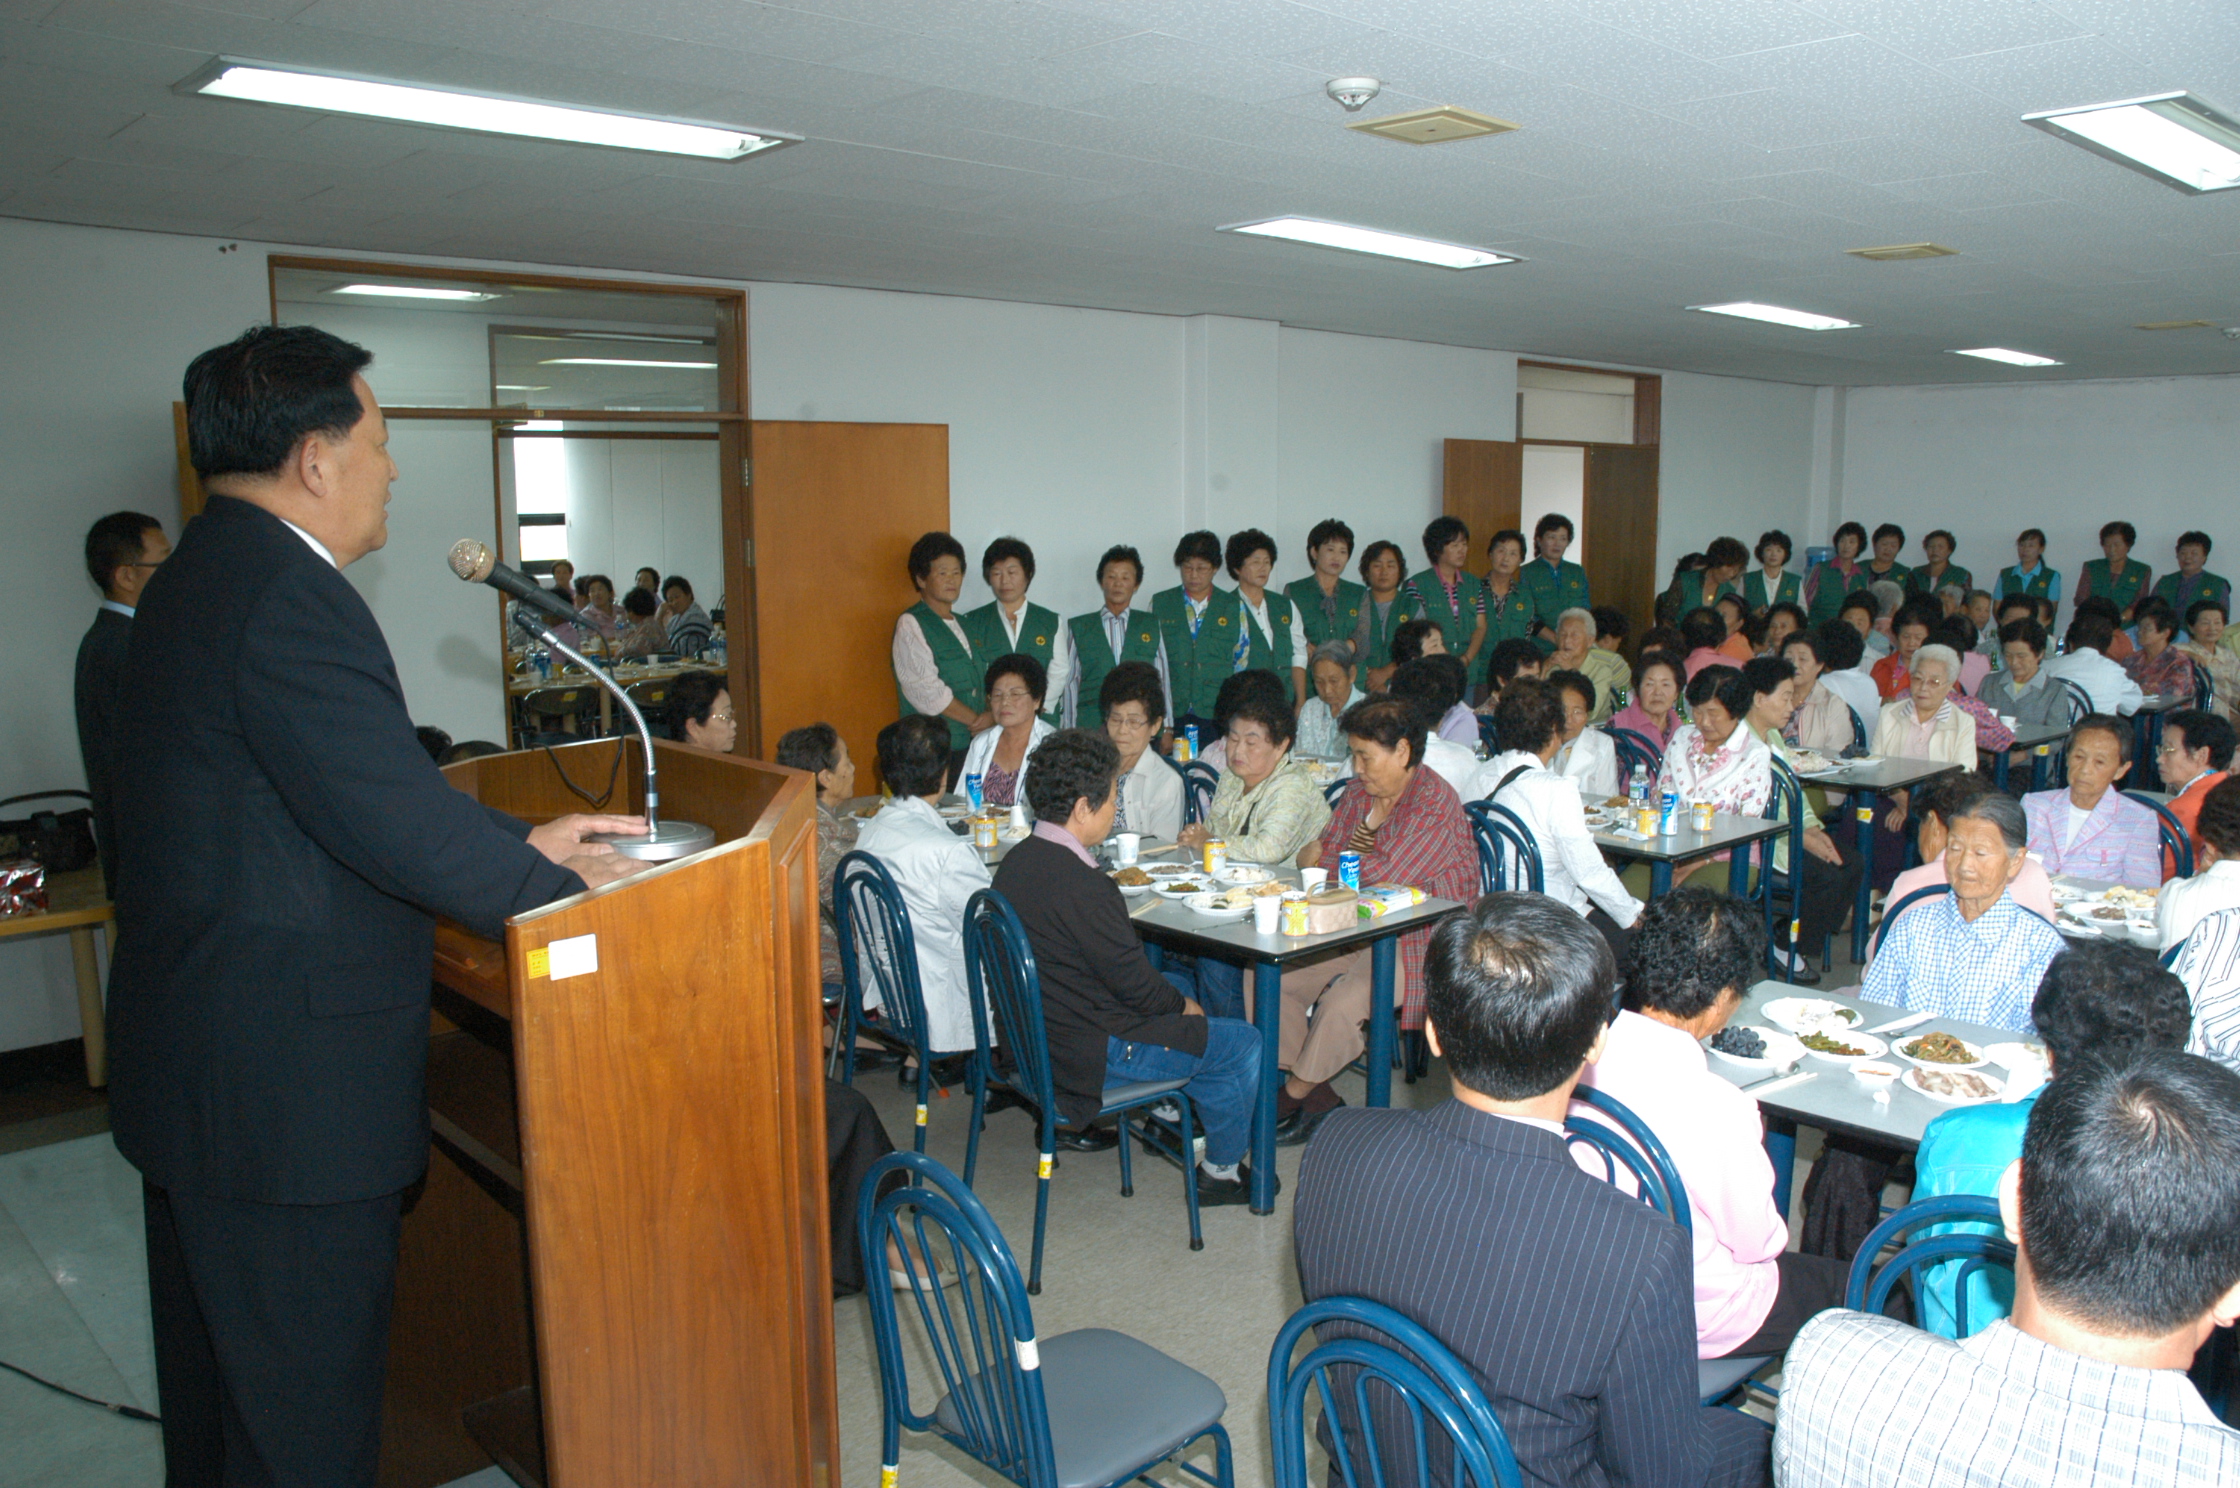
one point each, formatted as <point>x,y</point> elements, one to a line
<point>937,872</point>
<point>1571,866</point>
<point>1458,765</point>
<point>1151,798</point>
<point>1859,694</point>
<point>316,546</point>
<point>1591,763</point>
<point>2184,902</point>
<point>2105,682</point>
<point>914,669</point>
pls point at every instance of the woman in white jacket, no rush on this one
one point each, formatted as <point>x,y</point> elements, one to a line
<point>1587,757</point>
<point>1571,866</point>
<point>999,754</point>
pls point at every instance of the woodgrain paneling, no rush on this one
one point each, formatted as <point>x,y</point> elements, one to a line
<point>1484,487</point>
<point>1621,513</point>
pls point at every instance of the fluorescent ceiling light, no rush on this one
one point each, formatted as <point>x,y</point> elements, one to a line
<point>2011,358</point>
<point>412,292</point>
<point>616,362</point>
<point>1371,240</point>
<point>524,387</point>
<point>2174,137</point>
<point>1781,315</point>
<point>409,103</point>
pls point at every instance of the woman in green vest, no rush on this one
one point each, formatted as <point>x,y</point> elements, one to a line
<point>1554,583</point>
<point>1771,583</point>
<point>1511,610</point>
<point>1329,603</point>
<point>1448,594</point>
<point>1009,625</point>
<point>1105,637</point>
<point>936,670</point>
<point>1825,586</point>
<point>1889,542</point>
<point>1940,572</point>
<point>2029,575</point>
<point>1723,563</point>
<point>2115,577</point>
<point>1384,609</point>
<point>1202,631</point>
<point>1276,641</point>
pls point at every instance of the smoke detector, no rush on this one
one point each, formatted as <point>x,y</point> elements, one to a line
<point>1353,93</point>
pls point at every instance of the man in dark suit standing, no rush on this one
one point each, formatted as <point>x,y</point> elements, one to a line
<point>123,551</point>
<point>285,846</point>
<point>1571,1302</point>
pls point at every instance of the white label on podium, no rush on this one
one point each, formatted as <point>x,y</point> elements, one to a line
<point>576,956</point>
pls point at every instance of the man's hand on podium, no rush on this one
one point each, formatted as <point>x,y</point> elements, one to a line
<point>596,863</point>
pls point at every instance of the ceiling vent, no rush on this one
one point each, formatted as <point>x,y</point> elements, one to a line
<point>1434,126</point>
<point>2178,325</point>
<point>1900,252</point>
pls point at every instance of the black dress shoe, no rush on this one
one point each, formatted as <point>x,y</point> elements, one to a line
<point>1003,1098</point>
<point>1088,1138</point>
<point>1297,1129</point>
<point>1215,1192</point>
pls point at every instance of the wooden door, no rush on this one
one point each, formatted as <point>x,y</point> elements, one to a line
<point>1484,487</point>
<point>1621,516</point>
<point>836,508</point>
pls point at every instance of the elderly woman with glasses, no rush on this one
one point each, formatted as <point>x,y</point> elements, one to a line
<point>998,754</point>
<point>1920,723</point>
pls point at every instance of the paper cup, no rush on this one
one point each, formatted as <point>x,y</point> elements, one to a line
<point>1311,879</point>
<point>1125,846</point>
<point>1267,912</point>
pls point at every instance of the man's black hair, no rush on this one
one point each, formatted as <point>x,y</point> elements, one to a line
<point>117,539</point>
<point>252,401</point>
<point>1517,989</point>
<point>914,755</point>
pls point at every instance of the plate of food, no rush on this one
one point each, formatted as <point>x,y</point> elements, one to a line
<point>1811,762</point>
<point>1245,873</point>
<point>1753,1047</point>
<point>1843,1047</point>
<point>1802,1015</point>
<point>1133,881</point>
<point>2133,900</point>
<point>1940,1051</point>
<point>1183,888</point>
<point>1948,1087</point>
<point>1166,871</point>
<point>1232,904</point>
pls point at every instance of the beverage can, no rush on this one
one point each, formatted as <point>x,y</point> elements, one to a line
<point>972,790</point>
<point>984,833</point>
<point>1190,732</point>
<point>1216,857</point>
<point>1294,914</point>
<point>1186,748</point>
<point>1668,813</point>
<point>1349,870</point>
<point>1704,811</point>
<point>1645,819</point>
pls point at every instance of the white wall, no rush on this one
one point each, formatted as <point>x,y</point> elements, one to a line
<point>1561,413</point>
<point>1737,459</point>
<point>1554,484</point>
<point>1985,462</point>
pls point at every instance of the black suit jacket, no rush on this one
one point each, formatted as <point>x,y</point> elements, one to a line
<point>285,844</point>
<point>100,725</point>
<point>1096,980</point>
<point>1572,1303</point>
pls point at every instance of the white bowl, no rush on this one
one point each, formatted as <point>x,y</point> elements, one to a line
<point>1874,1076</point>
<point>1998,1086</point>
<point>1804,1014</point>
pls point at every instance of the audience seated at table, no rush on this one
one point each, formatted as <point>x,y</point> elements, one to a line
<point>1425,684</point>
<point>1507,661</point>
<point>1843,654</point>
<point>1724,559</point>
<point>2205,633</point>
<point>2090,829</point>
<point>936,871</point>
<point>1569,1301</point>
<point>1935,800</point>
<point>819,749</point>
<point>1587,759</point>
<point>641,632</point>
<point>2183,903</point>
<point>596,610</point>
<point>689,626</point>
<point>1574,652</point>
<point>1831,870</point>
<point>1959,633</point>
<point>2158,666</point>
<point>1821,721</point>
<point>1111,1019</point>
<point>2122,1208</point>
<point>699,711</point>
<point>1522,778</point>
<point>1606,660</point>
<point>1015,686</point>
<point>1653,712</point>
<point>2195,755</point>
<point>1740,645</point>
<point>2191,581</point>
<point>1693,958</point>
<point>2022,689</point>
<point>1715,758</point>
<point>1332,669</point>
<point>1704,631</point>
<point>1448,701</point>
<point>1132,702</point>
<point>1384,610</point>
<point>1407,825</point>
<point>2098,1000</point>
<point>1010,624</point>
<point>1909,632</point>
<point>1780,622</point>
<point>2107,686</point>
<point>1975,953</point>
<point>1923,723</point>
<point>1888,597</point>
<point>2209,964</point>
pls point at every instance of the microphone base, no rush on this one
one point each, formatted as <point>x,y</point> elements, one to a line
<point>671,839</point>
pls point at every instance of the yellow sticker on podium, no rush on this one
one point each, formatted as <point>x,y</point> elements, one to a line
<point>540,963</point>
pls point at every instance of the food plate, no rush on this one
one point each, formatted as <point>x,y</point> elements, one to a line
<point>1975,1059</point>
<point>1213,907</point>
<point>1245,873</point>
<point>1951,1087</point>
<point>1183,888</point>
<point>1801,1015</point>
<point>1133,890</point>
<point>957,812</point>
<point>1811,762</point>
<point>1175,870</point>
<point>1781,1050</point>
<point>1867,1044</point>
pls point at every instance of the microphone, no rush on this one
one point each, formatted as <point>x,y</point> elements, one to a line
<point>474,562</point>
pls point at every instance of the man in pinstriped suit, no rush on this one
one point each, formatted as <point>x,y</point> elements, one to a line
<point>1569,1300</point>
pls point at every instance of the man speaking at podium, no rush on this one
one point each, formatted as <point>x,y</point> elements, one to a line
<point>284,848</point>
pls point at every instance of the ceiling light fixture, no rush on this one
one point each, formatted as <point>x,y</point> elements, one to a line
<point>1902,252</point>
<point>411,292</point>
<point>1780,315</point>
<point>1434,126</point>
<point>619,362</point>
<point>2173,137</point>
<point>1372,240</point>
<point>409,103</point>
<point>2176,325</point>
<point>2011,358</point>
<point>524,387</point>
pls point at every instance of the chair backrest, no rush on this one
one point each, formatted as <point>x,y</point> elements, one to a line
<point>1623,1140</point>
<point>999,970</point>
<point>2177,845</point>
<point>650,694</point>
<point>1488,735</point>
<point>1508,858</point>
<point>2170,954</point>
<point>878,948</point>
<point>1890,914</point>
<point>1417,1377</point>
<point>1870,1285</point>
<point>1199,781</point>
<point>1786,803</point>
<point>1858,729</point>
<point>980,1334</point>
<point>690,638</point>
<point>563,701</point>
<point>2080,701</point>
<point>1335,789</point>
<point>1634,749</point>
<point>2204,686</point>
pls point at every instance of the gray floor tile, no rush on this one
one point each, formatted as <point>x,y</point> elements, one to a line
<point>78,1204</point>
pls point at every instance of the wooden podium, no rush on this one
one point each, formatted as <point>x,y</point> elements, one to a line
<point>618,1270</point>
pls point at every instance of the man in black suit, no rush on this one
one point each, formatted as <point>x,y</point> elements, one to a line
<point>1571,1302</point>
<point>123,551</point>
<point>285,846</point>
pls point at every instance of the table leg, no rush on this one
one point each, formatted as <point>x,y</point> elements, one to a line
<point>1660,878</point>
<point>2040,758</point>
<point>1999,767</point>
<point>1738,871</point>
<point>1267,1016</point>
<point>1383,1019</point>
<point>91,1017</point>
<point>1864,812</point>
<point>1781,1150</point>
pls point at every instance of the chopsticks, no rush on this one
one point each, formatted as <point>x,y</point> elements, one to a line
<point>1783,1082</point>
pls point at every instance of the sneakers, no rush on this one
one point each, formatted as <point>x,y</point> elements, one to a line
<point>1214,1192</point>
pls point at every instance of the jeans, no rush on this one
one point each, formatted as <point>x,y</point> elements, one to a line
<point>1223,1080</point>
<point>1221,987</point>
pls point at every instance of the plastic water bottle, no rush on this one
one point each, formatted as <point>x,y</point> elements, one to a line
<point>1637,788</point>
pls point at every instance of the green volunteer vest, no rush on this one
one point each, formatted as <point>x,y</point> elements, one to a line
<point>2125,590</point>
<point>1899,575</point>
<point>1270,652</point>
<point>1919,581</point>
<point>1092,656</point>
<point>1376,640</point>
<point>1427,599</point>
<point>2037,586</point>
<point>1038,638</point>
<point>1507,617</point>
<point>960,670</point>
<point>1789,591</point>
<point>1687,592</point>
<point>1197,664</point>
<point>1829,585</point>
<point>2211,586</point>
<point>1553,593</point>
<point>1307,595</point>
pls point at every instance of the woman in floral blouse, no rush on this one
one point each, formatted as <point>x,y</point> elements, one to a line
<point>1714,758</point>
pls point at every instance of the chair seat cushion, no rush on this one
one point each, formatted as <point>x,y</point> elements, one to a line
<point>1716,1377</point>
<point>1115,1405</point>
<point>1134,1091</point>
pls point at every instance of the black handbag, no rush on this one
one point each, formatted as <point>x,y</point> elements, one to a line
<point>60,841</point>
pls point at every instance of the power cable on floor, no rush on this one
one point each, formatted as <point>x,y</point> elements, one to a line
<point>132,1412</point>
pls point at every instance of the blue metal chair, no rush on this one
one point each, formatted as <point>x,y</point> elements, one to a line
<point>2204,686</point>
<point>1635,749</point>
<point>1420,1376</point>
<point>1199,781</point>
<point>2170,954</point>
<point>2080,703</point>
<point>1870,1284</point>
<point>2176,844</point>
<point>1508,858</point>
<point>1784,889</point>
<point>879,950</point>
<point>1488,735</point>
<point>999,968</point>
<point>1858,730</point>
<point>1087,1407</point>
<point>1890,912</point>
<point>1335,789</point>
